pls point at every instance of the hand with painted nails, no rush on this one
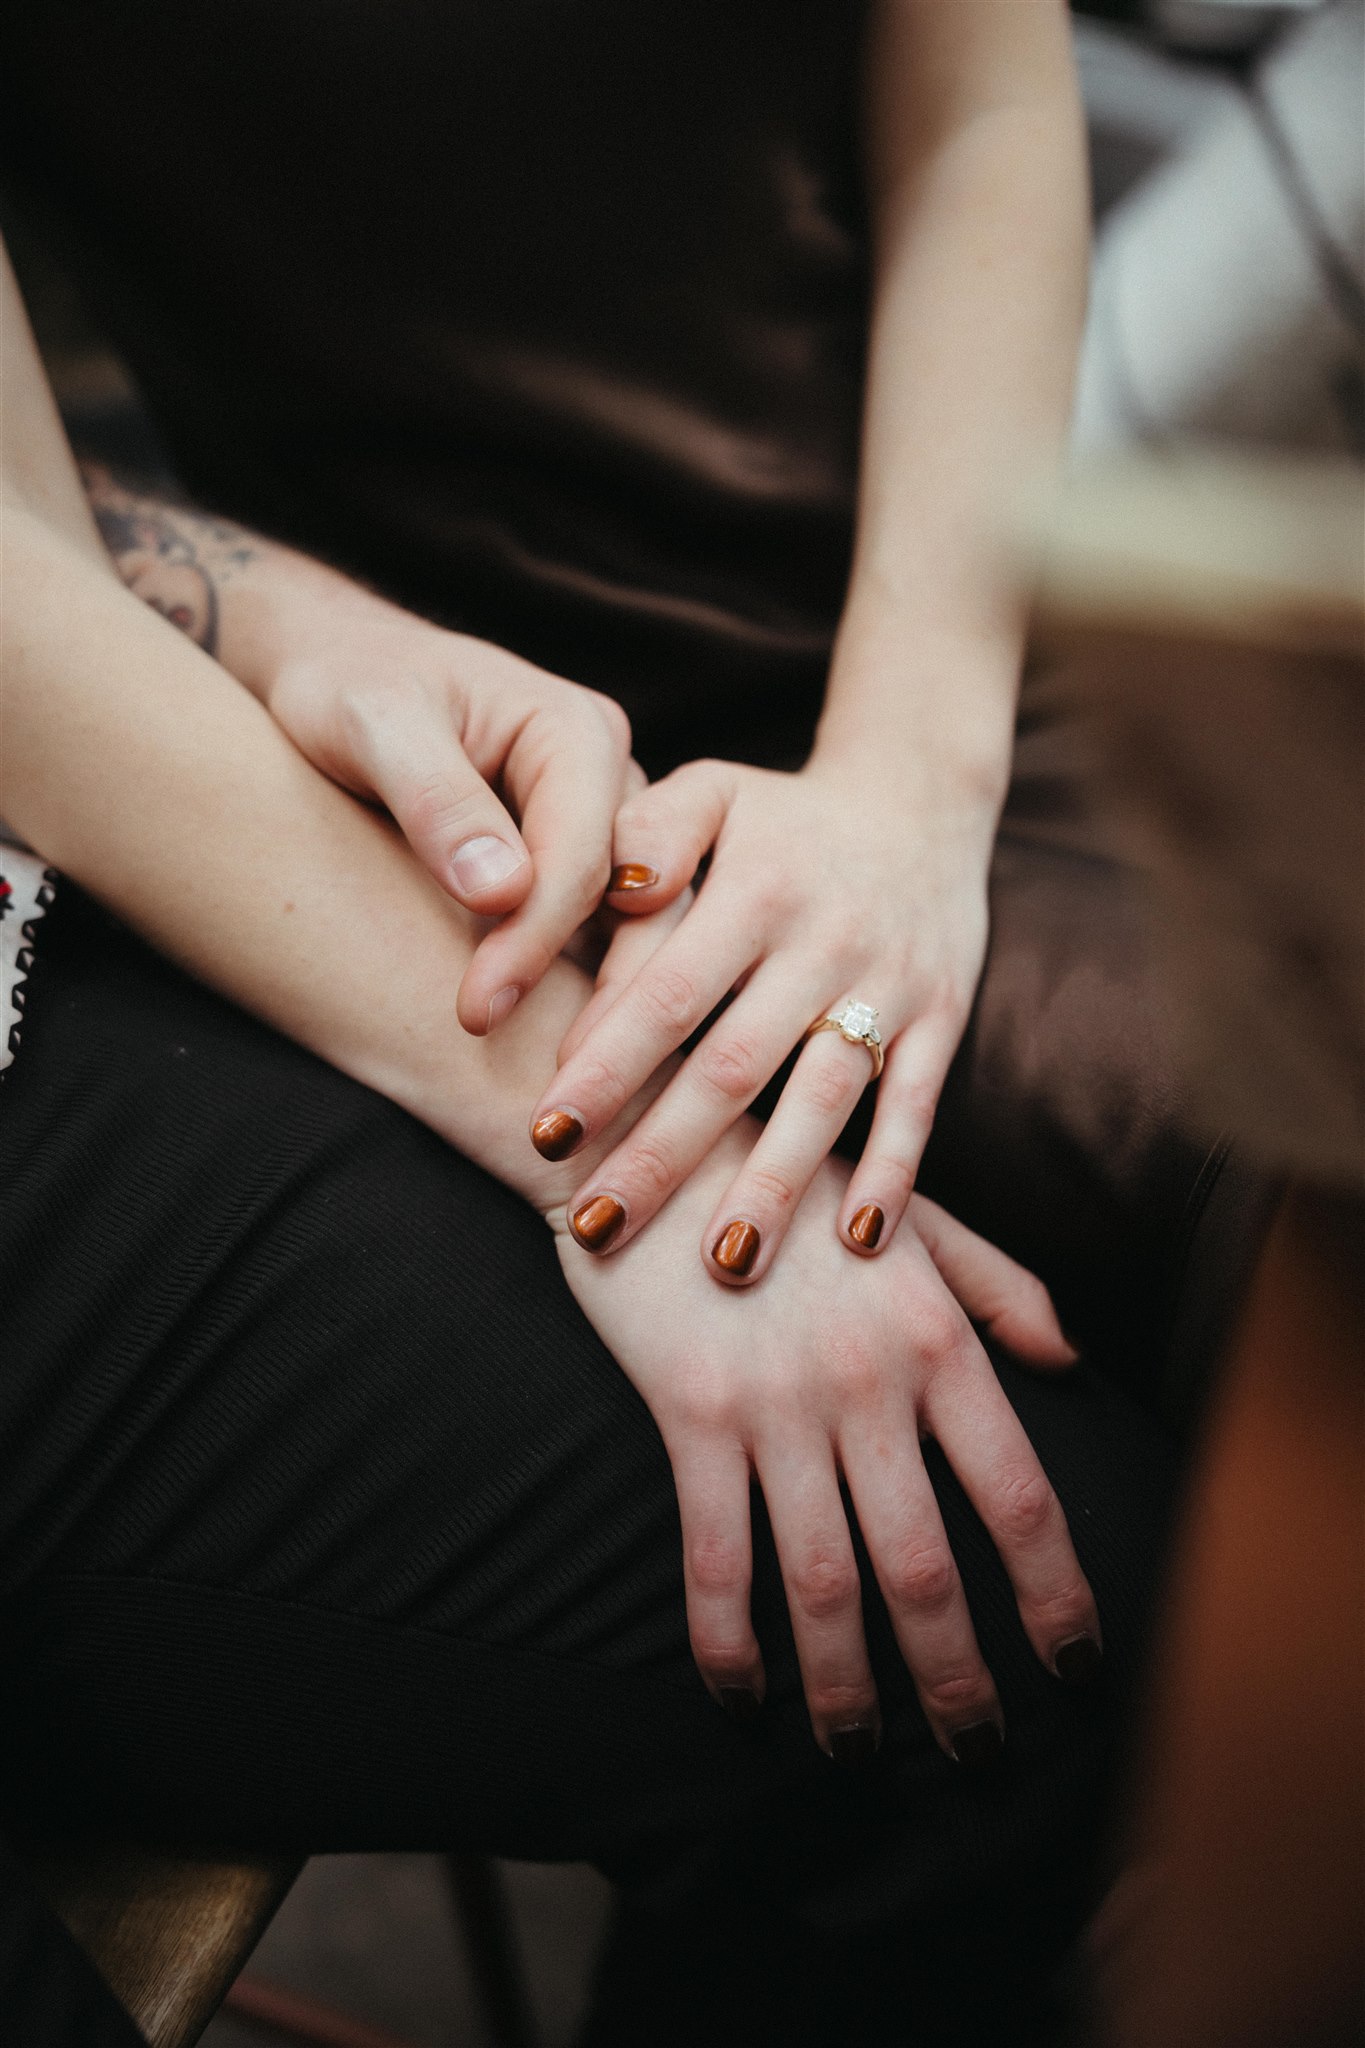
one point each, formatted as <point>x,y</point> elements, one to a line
<point>855,1365</point>
<point>829,893</point>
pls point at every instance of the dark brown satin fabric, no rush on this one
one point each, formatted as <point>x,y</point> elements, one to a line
<point>548,317</point>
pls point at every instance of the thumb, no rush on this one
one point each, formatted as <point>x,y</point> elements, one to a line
<point>449,816</point>
<point>663,833</point>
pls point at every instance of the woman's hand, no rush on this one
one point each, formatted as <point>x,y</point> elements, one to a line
<point>823,886</point>
<point>503,779</point>
<point>441,728</point>
<point>844,1371</point>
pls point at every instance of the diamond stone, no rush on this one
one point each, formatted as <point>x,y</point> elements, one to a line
<point>858,1020</point>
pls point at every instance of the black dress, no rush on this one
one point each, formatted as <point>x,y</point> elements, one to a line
<point>548,319</point>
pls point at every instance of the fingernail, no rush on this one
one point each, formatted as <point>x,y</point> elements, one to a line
<point>597,1222</point>
<point>866,1226</point>
<point>853,1748</point>
<point>481,863</point>
<point>1072,1346</point>
<point>979,1746</point>
<point>740,1702</point>
<point>735,1250</point>
<point>502,1005</point>
<point>1078,1662</point>
<point>556,1134</point>
<point>632,874</point>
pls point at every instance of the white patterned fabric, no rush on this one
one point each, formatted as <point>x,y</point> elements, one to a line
<point>27,887</point>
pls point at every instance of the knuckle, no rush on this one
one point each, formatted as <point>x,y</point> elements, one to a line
<point>716,1564</point>
<point>1024,1505</point>
<point>839,1699</point>
<point>774,1189</point>
<point>824,1583</point>
<point>613,718</point>
<point>669,999</point>
<point>923,1577</point>
<point>950,1692</point>
<point>652,1167</point>
<point>854,1375</point>
<point>941,1336</point>
<point>731,1068</point>
<point>437,809</point>
<point>718,1650</point>
<point>832,1087</point>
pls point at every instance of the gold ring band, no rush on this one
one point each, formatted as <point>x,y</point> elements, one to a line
<point>856,1022</point>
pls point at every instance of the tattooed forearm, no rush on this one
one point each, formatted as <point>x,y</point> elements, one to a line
<point>176,560</point>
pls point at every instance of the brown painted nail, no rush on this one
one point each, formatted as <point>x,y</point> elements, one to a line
<point>866,1226</point>
<point>979,1746</point>
<point>1079,1661</point>
<point>740,1702</point>
<point>736,1248</point>
<point>632,874</point>
<point>556,1134</point>
<point>854,1748</point>
<point>597,1222</point>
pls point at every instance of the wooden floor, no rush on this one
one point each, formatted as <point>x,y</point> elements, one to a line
<point>375,1935</point>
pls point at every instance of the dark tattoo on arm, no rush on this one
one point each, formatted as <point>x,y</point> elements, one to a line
<point>175,559</point>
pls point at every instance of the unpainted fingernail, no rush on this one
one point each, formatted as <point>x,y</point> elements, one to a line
<point>597,1222</point>
<point>632,874</point>
<point>735,1250</point>
<point>484,862</point>
<point>740,1702</point>
<point>866,1226</point>
<point>502,1005</point>
<point>556,1134</point>
<point>1078,1662</point>
<point>853,1748</point>
<point>979,1746</point>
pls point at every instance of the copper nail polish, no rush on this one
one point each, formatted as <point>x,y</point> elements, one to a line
<point>866,1226</point>
<point>632,874</point>
<point>735,1250</point>
<point>597,1222</point>
<point>556,1134</point>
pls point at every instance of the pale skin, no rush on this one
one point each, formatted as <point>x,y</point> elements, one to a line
<point>254,871</point>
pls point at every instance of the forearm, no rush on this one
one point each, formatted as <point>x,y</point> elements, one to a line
<point>980,220</point>
<point>140,769</point>
<point>243,598</point>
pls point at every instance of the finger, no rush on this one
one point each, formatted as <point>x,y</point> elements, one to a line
<point>453,822</point>
<point>907,1097</point>
<point>663,833</point>
<point>999,1294</point>
<point>918,1576</point>
<point>820,1575</point>
<point>636,940</point>
<point>983,1440</point>
<point>753,1215</point>
<point>712,1087</point>
<point>658,1009</point>
<point>567,772</point>
<point>712,1479</point>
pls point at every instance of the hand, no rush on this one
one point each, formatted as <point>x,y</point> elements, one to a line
<point>845,1370</point>
<point>432,724</point>
<point>823,885</point>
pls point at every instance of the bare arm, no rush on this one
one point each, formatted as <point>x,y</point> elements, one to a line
<point>134,763</point>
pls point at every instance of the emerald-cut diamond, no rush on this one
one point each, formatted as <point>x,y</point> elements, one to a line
<point>858,1021</point>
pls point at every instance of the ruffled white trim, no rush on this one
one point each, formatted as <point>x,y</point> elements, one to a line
<point>27,887</point>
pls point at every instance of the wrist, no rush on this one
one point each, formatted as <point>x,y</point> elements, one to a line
<point>922,706</point>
